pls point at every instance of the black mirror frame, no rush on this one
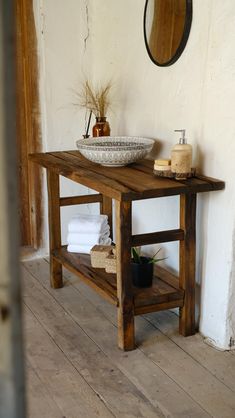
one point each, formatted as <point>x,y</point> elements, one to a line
<point>186,32</point>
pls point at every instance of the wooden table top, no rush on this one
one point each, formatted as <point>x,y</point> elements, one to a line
<point>133,182</point>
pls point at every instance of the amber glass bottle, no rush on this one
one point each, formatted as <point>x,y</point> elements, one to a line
<point>101,128</point>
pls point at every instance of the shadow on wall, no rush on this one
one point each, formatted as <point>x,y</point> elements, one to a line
<point>231,313</point>
<point>199,159</point>
<point>157,147</point>
<point>201,250</point>
<point>202,215</point>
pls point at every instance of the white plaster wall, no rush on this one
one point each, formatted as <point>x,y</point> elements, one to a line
<point>64,34</point>
<point>195,93</point>
<point>218,146</point>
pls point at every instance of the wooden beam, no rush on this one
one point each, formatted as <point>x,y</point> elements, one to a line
<point>187,263</point>
<point>141,310</point>
<point>28,124</point>
<point>53,188</point>
<point>12,388</point>
<point>126,336</point>
<point>81,200</point>
<point>157,237</point>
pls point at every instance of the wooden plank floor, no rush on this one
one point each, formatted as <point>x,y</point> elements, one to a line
<point>74,368</point>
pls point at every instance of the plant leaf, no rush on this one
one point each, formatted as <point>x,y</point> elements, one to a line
<point>156,260</point>
<point>159,249</point>
<point>135,255</point>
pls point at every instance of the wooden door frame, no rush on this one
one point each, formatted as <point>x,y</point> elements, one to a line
<point>12,386</point>
<point>28,124</point>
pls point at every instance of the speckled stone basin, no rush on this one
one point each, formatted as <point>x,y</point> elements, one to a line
<point>115,151</point>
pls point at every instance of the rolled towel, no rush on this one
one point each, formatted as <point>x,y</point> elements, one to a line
<point>77,238</point>
<point>85,249</point>
<point>88,223</point>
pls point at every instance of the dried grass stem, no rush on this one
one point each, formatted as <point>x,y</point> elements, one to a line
<point>96,100</point>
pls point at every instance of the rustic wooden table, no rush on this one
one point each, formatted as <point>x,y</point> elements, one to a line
<point>124,185</point>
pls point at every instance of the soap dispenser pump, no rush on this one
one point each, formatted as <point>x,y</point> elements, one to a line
<point>181,157</point>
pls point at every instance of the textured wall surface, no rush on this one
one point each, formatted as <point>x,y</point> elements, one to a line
<point>104,40</point>
<point>64,55</point>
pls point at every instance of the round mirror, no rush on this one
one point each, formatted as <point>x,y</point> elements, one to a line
<point>167,25</point>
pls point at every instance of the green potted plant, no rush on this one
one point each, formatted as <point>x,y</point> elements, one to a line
<point>142,267</point>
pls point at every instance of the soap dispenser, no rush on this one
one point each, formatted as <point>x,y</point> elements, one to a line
<point>181,157</point>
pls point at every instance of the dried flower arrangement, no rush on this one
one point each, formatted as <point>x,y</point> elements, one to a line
<point>95,99</point>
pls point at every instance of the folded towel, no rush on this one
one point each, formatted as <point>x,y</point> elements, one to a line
<point>85,249</point>
<point>77,238</point>
<point>88,223</point>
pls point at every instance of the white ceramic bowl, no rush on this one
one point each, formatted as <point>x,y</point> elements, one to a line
<point>115,151</point>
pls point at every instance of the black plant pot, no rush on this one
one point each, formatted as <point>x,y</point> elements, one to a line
<point>142,274</point>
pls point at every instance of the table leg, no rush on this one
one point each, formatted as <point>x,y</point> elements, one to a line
<point>53,187</point>
<point>126,332</point>
<point>106,209</point>
<point>187,263</point>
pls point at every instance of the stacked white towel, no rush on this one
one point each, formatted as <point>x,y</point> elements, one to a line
<point>85,231</point>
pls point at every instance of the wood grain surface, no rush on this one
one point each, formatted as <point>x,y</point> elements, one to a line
<point>53,189</point>
<point>187,263</point>
<point>132,182</point>
<point>177,376</point>
<point>165,291</point>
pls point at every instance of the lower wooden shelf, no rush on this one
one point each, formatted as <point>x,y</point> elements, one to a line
<point>164,294</point>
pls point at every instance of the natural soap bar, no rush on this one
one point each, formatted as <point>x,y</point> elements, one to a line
<point>163,162</point>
